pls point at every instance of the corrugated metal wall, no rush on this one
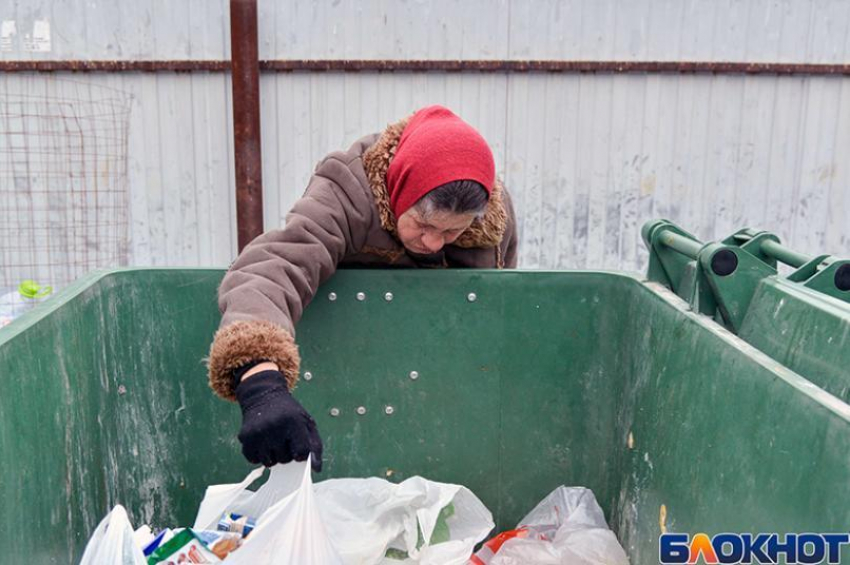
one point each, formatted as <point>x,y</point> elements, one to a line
<point>589,158</point>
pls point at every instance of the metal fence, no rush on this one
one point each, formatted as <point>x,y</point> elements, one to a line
<point>63,180</point>
<point>589,152</point>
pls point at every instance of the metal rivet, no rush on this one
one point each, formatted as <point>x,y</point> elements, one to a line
<point>389,410</point>
<point>361,296</point>
<point>332,296</point>
<point>472,297</point>
<point>414,375</point>
<point>388,296</point>
<point>122,389</point>
<point>334,412</point>
<point>361,410</point>
<point>308,376</point>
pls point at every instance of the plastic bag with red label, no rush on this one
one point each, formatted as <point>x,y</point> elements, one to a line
<point>567,527</point>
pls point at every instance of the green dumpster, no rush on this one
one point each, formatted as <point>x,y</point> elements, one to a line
<point>510,383</point>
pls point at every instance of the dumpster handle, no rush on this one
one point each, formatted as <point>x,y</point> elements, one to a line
<point>720,279</point>
<point>683,245</point>
<point>781,253</point>
<point>769,247</point>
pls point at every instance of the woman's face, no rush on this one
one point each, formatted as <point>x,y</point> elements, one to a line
<point>426,235</point>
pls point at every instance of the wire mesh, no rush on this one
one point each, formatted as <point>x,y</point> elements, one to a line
<point>63,180</point>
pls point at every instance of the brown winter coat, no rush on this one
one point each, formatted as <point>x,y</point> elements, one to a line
<point>344,219</point>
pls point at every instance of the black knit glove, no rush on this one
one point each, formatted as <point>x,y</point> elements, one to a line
<point>275,427</point>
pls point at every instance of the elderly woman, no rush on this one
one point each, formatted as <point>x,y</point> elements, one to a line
<point>421,194</point>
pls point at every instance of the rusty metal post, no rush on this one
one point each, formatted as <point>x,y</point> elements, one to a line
<point>246,120</point>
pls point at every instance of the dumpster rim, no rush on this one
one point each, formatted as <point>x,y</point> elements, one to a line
<point>80,285</point>
<point>73,290</point>
<point>793,379</point>
<point>787,375</point>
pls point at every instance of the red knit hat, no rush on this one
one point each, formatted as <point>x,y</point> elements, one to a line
<point>437,147</point>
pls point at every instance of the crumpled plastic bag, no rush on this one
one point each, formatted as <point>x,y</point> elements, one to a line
<point>568,528</point>
<point>367,517</point>
<point>361,519</point>
<point>289,527</point>
<point>335,522</point>
<point>113,542</point>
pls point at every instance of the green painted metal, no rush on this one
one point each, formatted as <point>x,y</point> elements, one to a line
<point>804,330</point>
<point>666,261</point>
<point>733,293</point>
<point>774,249</point>
<point>798,320</point>
<point>684,245</point>
<point>684,264</point>
<point>676,265</point>
<point>726,438</point>
<point>577,378</point>
<point>102,401</point>
<point>826,280</point>
<point>808,269</point>
<point>755,243</point>
<point>822,273</point>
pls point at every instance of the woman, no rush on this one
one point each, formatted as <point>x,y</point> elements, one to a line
<point>421,194</point>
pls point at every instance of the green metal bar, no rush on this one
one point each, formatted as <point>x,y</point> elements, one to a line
<point>681,244</point>
<point>783,254</point>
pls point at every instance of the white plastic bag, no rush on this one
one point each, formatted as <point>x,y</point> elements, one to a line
<point>336,522</point>
<point>113,542</point>
<point>347,521</point>
<point>289,527</point>
<point>581,534</point>
<point>366,517</point>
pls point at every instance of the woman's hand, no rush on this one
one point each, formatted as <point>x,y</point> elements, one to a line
<point>275,427</point>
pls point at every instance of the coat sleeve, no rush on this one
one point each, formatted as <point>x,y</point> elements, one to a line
<point>267,288</point>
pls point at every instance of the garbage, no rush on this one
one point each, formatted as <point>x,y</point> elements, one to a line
<point>113,543</point>
<point>441,534</point>
<point>242,525</point>
<point>221,543</point>
<point>289,527</point>
<point>368,517</point>
<point>143,536</point>
<point>184,547</point>
<point>568,526</point>
<point>152,544</point>
<point>494,544</point>
<point>16,301</point>
<point>360,521</point>
<point>290,520</point>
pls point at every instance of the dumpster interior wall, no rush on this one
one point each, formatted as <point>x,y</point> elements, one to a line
<point>540,379</point>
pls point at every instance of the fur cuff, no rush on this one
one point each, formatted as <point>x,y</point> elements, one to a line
<point>242,342</point>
